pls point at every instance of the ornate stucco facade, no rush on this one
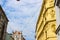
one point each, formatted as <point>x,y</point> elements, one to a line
<point>46,24</point>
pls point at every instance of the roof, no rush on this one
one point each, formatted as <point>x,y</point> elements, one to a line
<point>3,12</point>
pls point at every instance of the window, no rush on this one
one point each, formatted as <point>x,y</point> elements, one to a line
<point>58,3</point>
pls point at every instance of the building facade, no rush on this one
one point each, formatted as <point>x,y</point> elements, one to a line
<point>57,7</point>
<point>18,35</point>
<point>46,24</point>
<point>9,36</point>
<point>3,24</point>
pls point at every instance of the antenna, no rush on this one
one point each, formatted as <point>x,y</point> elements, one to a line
<point>18,0</point>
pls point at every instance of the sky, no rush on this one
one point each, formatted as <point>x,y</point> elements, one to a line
<point>22,16</point>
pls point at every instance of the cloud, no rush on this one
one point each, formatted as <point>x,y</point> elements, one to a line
<point>22,16</point>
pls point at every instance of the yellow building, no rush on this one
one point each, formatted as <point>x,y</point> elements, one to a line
<point>46,24</point>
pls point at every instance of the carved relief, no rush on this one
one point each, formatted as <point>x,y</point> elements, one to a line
<point>48,22</point>
<point>49,3</point>
<point>53,27</point>
<point>50,14</point>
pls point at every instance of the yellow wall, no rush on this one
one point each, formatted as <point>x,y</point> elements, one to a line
<point>46,24</point>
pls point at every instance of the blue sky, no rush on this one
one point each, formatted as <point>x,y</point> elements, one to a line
<point>22,16</point>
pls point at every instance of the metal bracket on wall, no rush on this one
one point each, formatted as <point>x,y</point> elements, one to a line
<point>58,29</point>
